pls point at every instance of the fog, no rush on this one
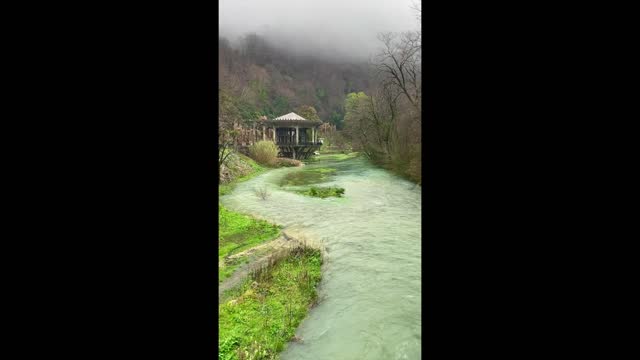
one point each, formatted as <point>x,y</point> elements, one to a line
<point>345,29</point>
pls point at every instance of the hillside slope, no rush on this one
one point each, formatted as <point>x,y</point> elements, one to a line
<point>271,81</point>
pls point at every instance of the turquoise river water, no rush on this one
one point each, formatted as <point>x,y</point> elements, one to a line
<point>371,287</point>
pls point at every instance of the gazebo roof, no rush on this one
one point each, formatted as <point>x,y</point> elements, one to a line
<point>290,116</point>
<point>293,118</point>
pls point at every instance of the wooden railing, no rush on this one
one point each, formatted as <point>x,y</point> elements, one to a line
<point>293,143</point>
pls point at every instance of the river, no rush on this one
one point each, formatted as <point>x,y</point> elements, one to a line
<point>371,287</point>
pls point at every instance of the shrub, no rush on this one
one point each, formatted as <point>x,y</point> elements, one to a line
<point>264,152</point>
<point>262,192</point>
<point>286,162</point>
<point>322,192</point>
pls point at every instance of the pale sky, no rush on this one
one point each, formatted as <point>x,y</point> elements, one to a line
<point>328,28</point>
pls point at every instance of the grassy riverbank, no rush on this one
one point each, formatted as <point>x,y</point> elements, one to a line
<point>251,170</point>
<point>261,316</point>
<point>258,317</point>
<point>238,232</point>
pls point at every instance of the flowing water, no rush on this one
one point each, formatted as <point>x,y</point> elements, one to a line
<point>371,287</point>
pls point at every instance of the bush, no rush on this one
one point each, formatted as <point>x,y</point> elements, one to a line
<point>322,192</point>
<point>264,152</point>
<point>262,193</point>
<point>286,162</point>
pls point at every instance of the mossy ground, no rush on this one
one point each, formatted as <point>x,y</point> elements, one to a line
<point>322,192</point>
<point>258,318</point>
<point>307,176</point>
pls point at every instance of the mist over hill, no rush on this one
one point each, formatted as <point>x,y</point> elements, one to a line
<point>269,79</point>
<point>329,29</point>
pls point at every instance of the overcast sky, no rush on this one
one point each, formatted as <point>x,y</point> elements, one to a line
<point>320,27</point>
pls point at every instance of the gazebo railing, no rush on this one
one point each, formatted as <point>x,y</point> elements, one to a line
<point>293,142</point>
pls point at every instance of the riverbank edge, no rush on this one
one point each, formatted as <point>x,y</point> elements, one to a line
<point>259,318</point>
<point>403,175</point>
<point>267,251</point>
<point>262,234</point>
<point>244,274</point>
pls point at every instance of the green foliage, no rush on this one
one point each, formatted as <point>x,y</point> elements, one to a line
<point>323,192</point>
<point>308,112</point>
<point>280,106</point>
<point>248,111</point>
<point>264,152</point>
<point>353,102</point>
<point>262,314</point>
<point>260,90</point>
<point>337,118</point>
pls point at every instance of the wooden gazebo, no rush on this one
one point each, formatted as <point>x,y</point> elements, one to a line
<point>296,136</point>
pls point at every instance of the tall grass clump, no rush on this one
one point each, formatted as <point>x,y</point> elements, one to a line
<point>264,152</point>
<point>262,192</point>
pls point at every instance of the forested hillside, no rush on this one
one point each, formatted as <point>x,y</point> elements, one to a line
<point>263,79</point>
<point>375,105</point>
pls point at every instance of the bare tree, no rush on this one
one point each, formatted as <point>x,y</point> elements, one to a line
<point>228,116</point>
<point>400,64</point>
<point>417,7</point>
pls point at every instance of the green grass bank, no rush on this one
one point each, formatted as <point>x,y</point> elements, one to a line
<point>258,318</point>
<point>239,232</point>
